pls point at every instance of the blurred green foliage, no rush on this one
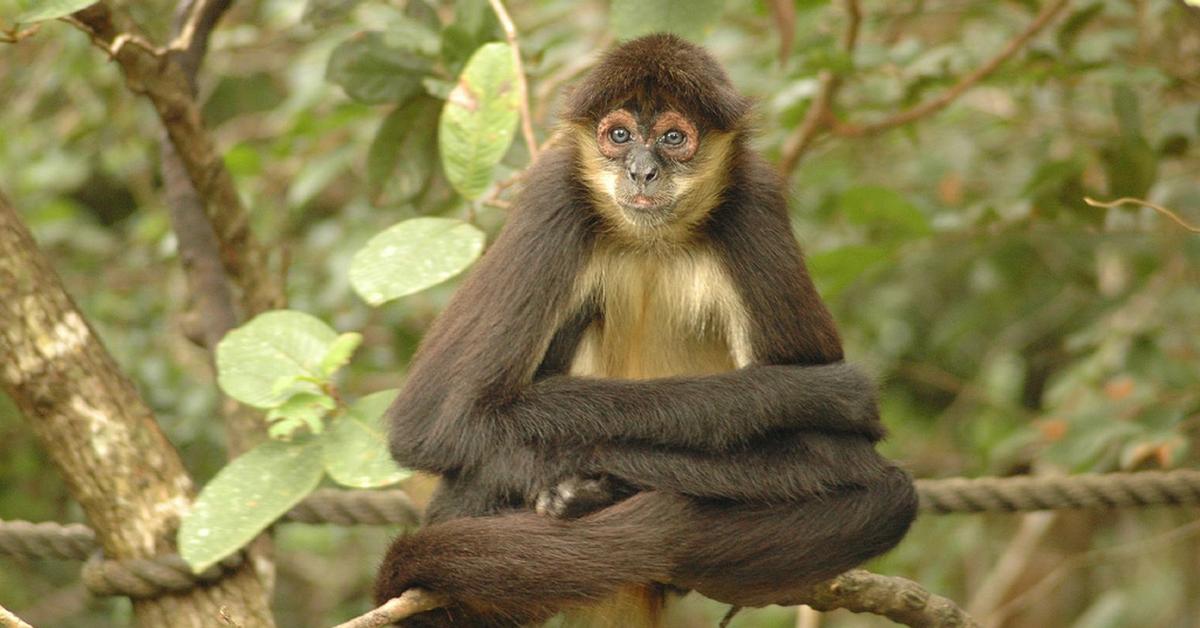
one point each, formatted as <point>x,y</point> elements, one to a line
<point>1013,328</point>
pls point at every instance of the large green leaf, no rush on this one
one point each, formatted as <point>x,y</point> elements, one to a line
<point>885,210</point>
<point>376,68</point>
<point>479,119</point>
<point>413,255</point>
<point>400,160</point>
<point>245,497</point>
<point>686,18</point>
<point>41,10</point>
<point>354,449</point>
<point>274,356</point>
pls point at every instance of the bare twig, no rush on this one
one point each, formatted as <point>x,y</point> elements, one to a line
<point>13,35</point>
<point>510,33</point>
<point>413,601</point>
<point>968,81</point>
<point>820,113</point>
<point>1137,201</point>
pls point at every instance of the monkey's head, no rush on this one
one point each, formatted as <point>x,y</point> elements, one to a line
<point>655,122</point>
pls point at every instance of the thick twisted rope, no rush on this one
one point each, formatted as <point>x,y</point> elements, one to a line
<point>1089,490</point>
<point>167,573</point>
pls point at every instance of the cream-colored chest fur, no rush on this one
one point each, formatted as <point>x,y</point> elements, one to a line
<point>663,313</point>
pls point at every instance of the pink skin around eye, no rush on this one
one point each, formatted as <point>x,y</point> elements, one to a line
<point>619,118</point>
<point>673,120</point>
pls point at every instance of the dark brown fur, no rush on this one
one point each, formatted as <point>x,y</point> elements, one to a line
<point>749,483</point>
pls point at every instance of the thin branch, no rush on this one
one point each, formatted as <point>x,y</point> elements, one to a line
<point>820,113</point>
<point>968,81</point>
<point>14,35</point>
<point>1137,201</point>
<point>1064,569</point>
<point>820,121</point>
<point>9,620</point>
<point>510,32</point>
<point>157,74</point>
<point>413,601</point>
<point>784,14</point>
<point>1013,564</point>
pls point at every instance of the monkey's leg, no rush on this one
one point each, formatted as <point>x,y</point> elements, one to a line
<point>756,555</point>
<point>525,567</point>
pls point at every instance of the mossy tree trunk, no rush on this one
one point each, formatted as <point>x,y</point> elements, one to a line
<point>100,434</point>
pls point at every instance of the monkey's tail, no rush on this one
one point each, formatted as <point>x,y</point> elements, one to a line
<point>526,567</point>
<point>523,567</point>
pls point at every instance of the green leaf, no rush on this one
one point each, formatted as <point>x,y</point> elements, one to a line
<point>400,160</point>
<point>479,119</point>
<point>1130,164</point>
<point>339,352</point>
<point>1128,110</point>
<point>884,209</point>
<point>687,18</point>
<point>413,255</point>
<point>245,497</point>
<point>354,450</point>
<point>374,68</point>
<point>41,10</point>
<point>835,270</point>
<point>273,346</point>
<point>1074,25</point>
<point>300,410</point>
<point>322,13</point>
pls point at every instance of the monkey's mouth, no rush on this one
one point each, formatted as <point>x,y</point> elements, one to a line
<point>641,203</point>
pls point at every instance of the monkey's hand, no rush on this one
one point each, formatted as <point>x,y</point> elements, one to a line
<point>575,497</point>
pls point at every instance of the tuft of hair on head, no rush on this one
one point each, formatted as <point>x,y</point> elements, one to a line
<point>662,70</point>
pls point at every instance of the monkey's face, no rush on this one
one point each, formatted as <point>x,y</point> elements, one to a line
<point>645,168</point>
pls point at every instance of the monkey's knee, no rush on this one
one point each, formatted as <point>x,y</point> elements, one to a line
<point>894,507</point>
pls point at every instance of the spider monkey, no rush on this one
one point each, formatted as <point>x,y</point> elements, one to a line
<point>638,389</point>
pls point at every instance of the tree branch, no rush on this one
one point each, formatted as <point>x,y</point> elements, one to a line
<point>510,32</point>
<point>413,601</point>
<point>820,112</point>
<point>899,599</point>
<point>940,102</point>
<point>158,75</point>
<point>98,431</point>
<point>858,591</point>
<point>820,120</point>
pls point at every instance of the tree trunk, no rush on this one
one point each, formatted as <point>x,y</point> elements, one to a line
<point>100,434</point>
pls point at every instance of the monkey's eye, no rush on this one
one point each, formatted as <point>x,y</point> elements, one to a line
<point>619,135</point>
<point>674,137</point>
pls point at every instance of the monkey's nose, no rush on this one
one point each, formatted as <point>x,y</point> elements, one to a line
<point>643,173</point>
